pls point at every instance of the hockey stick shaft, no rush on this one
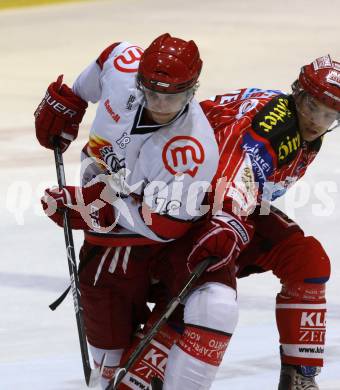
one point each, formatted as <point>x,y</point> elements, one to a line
<point>121,372</point>
<point>91,375</point>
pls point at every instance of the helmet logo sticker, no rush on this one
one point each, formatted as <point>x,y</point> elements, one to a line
<point>128,60</point>
<point>322,62</point>
<point>183,154</point>
<point>333,77</point>
<point>160,84</point>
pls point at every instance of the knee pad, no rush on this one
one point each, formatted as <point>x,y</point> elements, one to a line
<point>305,261</point>
<point>317,263</point>
<point>213,306</point>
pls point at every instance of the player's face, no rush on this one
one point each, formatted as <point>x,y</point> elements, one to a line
<point>163,107</point>
<point>314,117</point>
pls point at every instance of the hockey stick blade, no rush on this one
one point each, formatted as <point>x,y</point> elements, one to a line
<point>92,377</point>
<point>119,375</point>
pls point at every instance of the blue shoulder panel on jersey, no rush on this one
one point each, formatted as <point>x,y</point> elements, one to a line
<point>260,93</point>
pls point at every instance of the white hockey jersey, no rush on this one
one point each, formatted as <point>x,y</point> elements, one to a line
<point>166,168</point>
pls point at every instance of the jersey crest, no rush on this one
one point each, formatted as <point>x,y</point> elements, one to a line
<point>183,154</point>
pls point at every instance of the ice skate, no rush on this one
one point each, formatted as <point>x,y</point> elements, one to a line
<point>298,378</point>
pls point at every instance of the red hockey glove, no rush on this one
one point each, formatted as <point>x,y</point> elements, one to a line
<point>90,208</point>
<point>58,115</point>
<point>216,238</point>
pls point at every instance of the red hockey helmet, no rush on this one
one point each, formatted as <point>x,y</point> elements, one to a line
<point>170,65</point>
<point>321,79</point>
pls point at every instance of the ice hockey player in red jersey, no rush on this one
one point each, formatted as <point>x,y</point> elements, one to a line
<point>279,136</point>
<point>267,140</point>
<point>149,144</point>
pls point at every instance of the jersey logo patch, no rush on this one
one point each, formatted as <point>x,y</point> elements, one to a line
<point>273,114</point>
<point>261,160</point>
<point>277,123</point>
<point>128,60</point>
<point>246,106</point>
<point>109,109</point>
<point>111,159</point>
<point>104,152</point>
<point>183,154</point>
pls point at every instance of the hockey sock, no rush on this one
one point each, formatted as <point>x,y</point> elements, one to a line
<point>112,361</point>
<point>300,316</point>
<point>194,362</point>
<point>210,316</point>
<point>152,360</point>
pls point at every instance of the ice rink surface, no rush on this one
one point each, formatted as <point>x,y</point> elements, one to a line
<point>242,43</point>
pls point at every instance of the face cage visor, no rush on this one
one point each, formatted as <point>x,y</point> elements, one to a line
<point>166,103</point>
<point>318,114</point>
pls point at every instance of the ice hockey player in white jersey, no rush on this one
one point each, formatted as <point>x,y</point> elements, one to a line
<point>150,157</point>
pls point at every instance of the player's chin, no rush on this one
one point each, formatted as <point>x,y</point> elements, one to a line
<point>310,134</point>
<point>161,118</point>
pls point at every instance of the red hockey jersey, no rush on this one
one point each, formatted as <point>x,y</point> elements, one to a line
<point>261,153</point>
